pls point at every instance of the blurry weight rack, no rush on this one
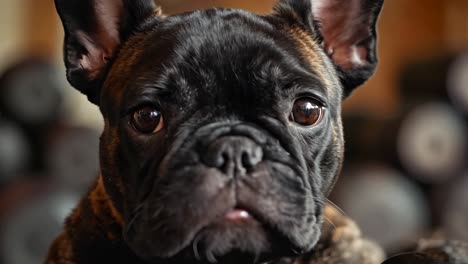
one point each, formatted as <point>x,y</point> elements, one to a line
<point>406,177</point>
<point>45,162</point>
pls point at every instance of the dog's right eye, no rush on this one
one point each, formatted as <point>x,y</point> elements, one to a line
<point>147,120</point>
<point>306,112</point>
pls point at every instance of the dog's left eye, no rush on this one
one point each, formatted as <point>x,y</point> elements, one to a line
<point>147,120</point>
<point>306,112</point>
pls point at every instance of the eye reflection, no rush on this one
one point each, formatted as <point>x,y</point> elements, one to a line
<point>306,112</point>
<point>147,120</point>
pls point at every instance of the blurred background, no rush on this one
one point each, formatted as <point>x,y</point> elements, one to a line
<point>405,175</point>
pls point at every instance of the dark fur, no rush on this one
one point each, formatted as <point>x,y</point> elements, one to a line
<point>216,75</point>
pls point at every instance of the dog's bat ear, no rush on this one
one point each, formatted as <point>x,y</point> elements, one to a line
<point>347,30</point>
<point>94,32</point>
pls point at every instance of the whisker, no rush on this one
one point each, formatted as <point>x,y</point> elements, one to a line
<point>337,207</point>
<point>210,257</point>
<point>330,221</point>
<point>195,247</point>
<point>135,214</point>
<point>137,209</point>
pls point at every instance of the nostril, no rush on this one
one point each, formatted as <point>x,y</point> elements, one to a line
<point>224,160</point>
<point>233,155</point>
<point>216,159</point>
<point>246,160</point>
<point>251,157</point>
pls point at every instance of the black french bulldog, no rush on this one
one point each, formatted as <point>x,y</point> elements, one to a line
<point>223,131</point>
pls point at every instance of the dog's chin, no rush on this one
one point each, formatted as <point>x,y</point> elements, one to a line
<point>238,237</point>
<point>225,240</point>
<point>254,217</point>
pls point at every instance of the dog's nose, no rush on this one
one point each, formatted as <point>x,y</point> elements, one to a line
<point>233,155</point>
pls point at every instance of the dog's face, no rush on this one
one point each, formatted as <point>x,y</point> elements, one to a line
<point>222,128</point>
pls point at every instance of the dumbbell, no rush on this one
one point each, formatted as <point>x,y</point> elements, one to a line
<point>432,142</point>
<point>73,157</point>
<point>31,92</point>
<point>428,141</point>
<point>412,258</point>
<point>388,207</point>
<point>434,252</point>
<point>14,151</point>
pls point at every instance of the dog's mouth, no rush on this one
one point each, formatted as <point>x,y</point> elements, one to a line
<point>243,212</point>
<point>238,215</point>
<point>240,233</point>
<point>253,216</point>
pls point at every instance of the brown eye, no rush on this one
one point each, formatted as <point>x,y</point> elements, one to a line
<point>147,120</point>
<point>306,112</point>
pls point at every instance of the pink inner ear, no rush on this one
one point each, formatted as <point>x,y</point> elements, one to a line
<point>97,56</point>
<point>345,27</point>
<point>109,14</point>
<point>103,43</point>
<point>349,56</point>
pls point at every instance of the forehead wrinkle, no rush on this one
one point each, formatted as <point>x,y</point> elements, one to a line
<point>218,39</point>
<point>288,75</point>
<point>206,40</point>
<point>306,79</point>
<point>166,75</point>
<point>274,65</point>
<point>285,72</point>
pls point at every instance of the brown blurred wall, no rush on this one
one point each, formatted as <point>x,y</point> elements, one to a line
<point>408,30</point>
<point>42,31</point>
